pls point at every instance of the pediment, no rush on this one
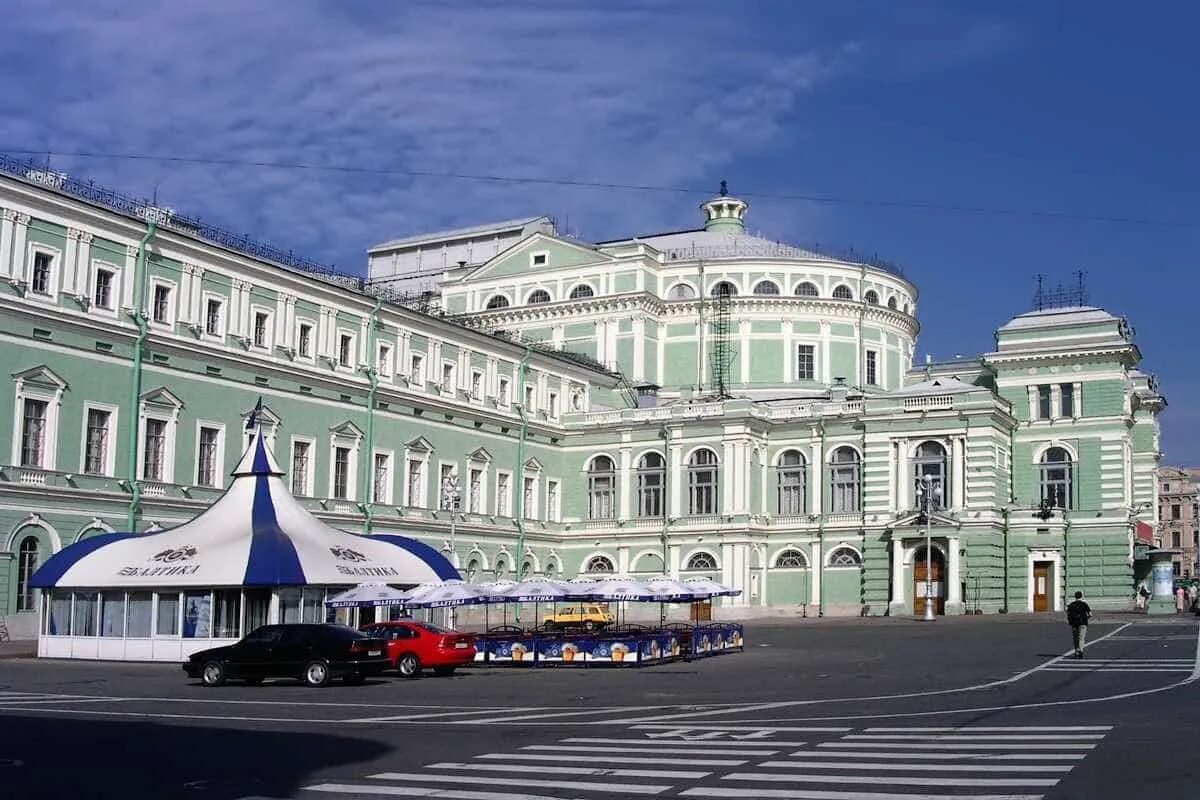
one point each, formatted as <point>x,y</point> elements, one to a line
<point>347,429</point>
<point>162,396</point>
<point>912,519</point>
<point>533,465</point>
<point>40,375</point>
<point>560,253</point>
<point>266,416</point>
<point>419,445</point>
<point>480,455</point>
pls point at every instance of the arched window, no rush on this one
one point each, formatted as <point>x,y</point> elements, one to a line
<point>498,301</point>
<point>702,482</point>
<point>892,303</point>
<point>599,564</point>
<point>472,568</point>
<point>1056,472</point>
<point>724,289</point>
<point>682,291</point>
<point>582,292</point>
<point>701,561</point>
<point>807,289</point>
<point>551,569</point>
<point>501,568</point>
<point>844,557</point>
<point>871,297</point>
<point>538,296</point>
<point>650,475</point>
<point>844,481</point>
<point>842,292</point>
<point>906,308</point>
<point>930,461</point>
<point>27,564</point>
<point>791,559</point>
<point>602,485</point>
<point>766,287</point>
<point>526,569</point>
<point>792,483</point>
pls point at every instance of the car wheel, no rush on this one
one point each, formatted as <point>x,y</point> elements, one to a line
<point>409,665</point>
<point>316,673</point>
<point>355,680</point>
<point>212,673</point>
<point>254,681</point>
<point>443,670</point>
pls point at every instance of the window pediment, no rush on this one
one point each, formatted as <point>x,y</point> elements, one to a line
<point>41,376</point>
<point>347,430</point>
<point>480,455</point>
<point>163,397</point>
<point>419,445</point>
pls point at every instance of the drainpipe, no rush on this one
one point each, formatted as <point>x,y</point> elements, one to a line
<point>373,377</point>
<point>666,497</point>
<point>519,471</point>
<point>135,387</point>
<point>700,332</point>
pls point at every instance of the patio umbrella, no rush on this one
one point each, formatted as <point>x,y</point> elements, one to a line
<point>367,595</point>
<point>536,591</point>
<point>446,595</point>
<point>670,590</point>
<point>494,591</point>
<point>622,588</point>
<point>711,587</point>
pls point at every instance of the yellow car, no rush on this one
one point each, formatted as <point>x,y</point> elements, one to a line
<point>589,616</point>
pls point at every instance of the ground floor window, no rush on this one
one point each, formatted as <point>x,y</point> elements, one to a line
<point>168,615</point>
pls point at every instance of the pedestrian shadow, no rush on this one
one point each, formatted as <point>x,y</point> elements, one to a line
<point>103,759</point>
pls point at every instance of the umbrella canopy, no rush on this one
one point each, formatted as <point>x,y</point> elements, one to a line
<point>494,590</point>
<point>621,589</point>
<point>671,590</point>
<point>445,595</point>
<point>537,590</point>
<point>367,595</point>
<point>711,587</point>
<point>255,534</point>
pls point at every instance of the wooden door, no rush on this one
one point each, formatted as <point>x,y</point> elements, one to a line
<point>1041,585</point>
<point>937,575</point>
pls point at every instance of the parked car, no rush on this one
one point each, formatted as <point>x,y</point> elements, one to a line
<point>589,616</point>
<point>312,653</point>
<point>413,646</point>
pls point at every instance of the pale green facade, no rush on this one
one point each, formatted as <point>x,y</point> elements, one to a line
<point>555,460</point>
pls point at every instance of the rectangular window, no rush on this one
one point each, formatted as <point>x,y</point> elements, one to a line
<point>1175,539</point>
<point>382,479</point>
<point>33,433</point>
<point>502,395</point>
<point>1067,392</point>
<point>1043,406</point>
<point>300,467</point>
<point>137,615</point>
<point>197,615</point>
<point>476,385</point>
<point>383,364</point>
<point>40,280</point>
<point>416,370</point>
<point>154,449</point>
<point>304,340</point>
<point>341,473</point>
<point>414,498</point>
<point>161,308</point>
<point>168,615</point>
<point>872,368</point>
<point>212,317</point>
<point>102,292</point>
<point>447,377</point>
<point>530,395</point>
<point>552,501</point>
<point>502,498</point>
<point>552,404</point>
<point>475,492</point>
<point>529,499</point>
<point>447,493</point>
<point>83,621</point>
<point>806,362</point>
<point>206,461</point>
<point>261,320</point>
<point>345,350</point>
<point>95,454</point>
<point>1175,510</point>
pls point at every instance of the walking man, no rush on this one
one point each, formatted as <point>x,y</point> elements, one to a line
<point>1078,614</point>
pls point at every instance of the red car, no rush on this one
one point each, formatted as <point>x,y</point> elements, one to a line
<point>413,646</point>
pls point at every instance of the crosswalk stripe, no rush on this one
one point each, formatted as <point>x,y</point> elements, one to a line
<point>740,728</point>
<point>593,771</point>
<point>23,701</point>
<point>584,786</point>
<point>813,794</point>
<point>678,762</point>
<point>440,792</point>
<point>996,729</point>
<point>685,751</point>
<point>860,765</point>
<point>971,736</point>
<point>673,741</point>
<point>1114,669</point>
<point>892,780</point>
<point>548,715</point>
<point>960,745</point>
<point>941,756</point>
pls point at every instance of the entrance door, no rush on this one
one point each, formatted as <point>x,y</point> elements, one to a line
<point>937,573</point>
<point>1042,583</point>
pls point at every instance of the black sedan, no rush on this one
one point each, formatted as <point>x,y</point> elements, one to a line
<point>313,653</point>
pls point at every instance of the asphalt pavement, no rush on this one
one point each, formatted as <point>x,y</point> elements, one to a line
<point>961,708</point>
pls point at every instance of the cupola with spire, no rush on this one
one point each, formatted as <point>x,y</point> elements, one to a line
<point>725,214</point>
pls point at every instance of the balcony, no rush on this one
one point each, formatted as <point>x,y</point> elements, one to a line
<point>678,411</point>
<point>935,402</point>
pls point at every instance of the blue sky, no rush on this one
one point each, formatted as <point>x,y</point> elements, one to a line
<point>1086,108</point>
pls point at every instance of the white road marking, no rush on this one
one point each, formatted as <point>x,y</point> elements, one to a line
<point>942,756</point>
<point>521,717</point>
<point>423,791</point>
<point>910,745</point>
<point>1081,668</point>
<point>665,742</point>
<point>678,762</point>
<point>862,765</point>
<point>893,780</point>
<point>433,716</point>
<point>739,728</point>
<point>968,735</point>
<point>683,751</point>
<point>814,794</point>
<point>585,786</point>
<point>593,771</point>
<point>996,729</point>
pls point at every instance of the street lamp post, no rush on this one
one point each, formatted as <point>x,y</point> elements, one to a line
<point>930,492</point>
<point>451,491</point>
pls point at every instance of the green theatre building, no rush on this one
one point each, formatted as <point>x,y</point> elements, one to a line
<point>703,402</point>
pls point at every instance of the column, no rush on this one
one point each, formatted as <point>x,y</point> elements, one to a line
<point>20,234</point>
<point>816,476</point>
<point>363,341</point>
<point>789,352</point>
<point>817,563</point>
<point>904,483</point>
<point>826,369</point>
<point>897,573</point>
<point>958,474</point>
<point>744,352</point>
<point>661,343</point>
<point>70,253</point>
<point>953,576</point>
<point>639,347</point>
<point>676,480</point>
<point>764,488</point>
<point>7,221</point>
<point>624,485</point>
<point>675,558</point>
<point>83,273</point>
<point>129,277</point>
<point>728,476</point>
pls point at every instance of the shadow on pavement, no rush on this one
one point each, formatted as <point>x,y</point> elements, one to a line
<point>100,759</point>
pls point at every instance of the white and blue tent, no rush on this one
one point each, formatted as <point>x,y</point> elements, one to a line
<point>255,538</point>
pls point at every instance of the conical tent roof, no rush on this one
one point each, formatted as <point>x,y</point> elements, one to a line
<point>255,534</point>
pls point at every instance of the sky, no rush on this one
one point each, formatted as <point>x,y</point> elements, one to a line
<point>1073,124</point>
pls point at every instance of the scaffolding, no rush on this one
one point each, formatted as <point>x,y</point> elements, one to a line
<point>722,351</point>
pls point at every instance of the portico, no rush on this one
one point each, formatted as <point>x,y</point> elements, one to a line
<point>910,566</point>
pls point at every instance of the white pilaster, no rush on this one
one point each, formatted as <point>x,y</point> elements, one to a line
<point>897,573</point>
<point>904,482</point>
<point>826,369</point>
<point>83,260</point>
<point>639,347</point>
<point>7,221</point>
<point>954,576</point>
<point>129,277</point>
<point>624,485</point>
<point>20,237</point>
<point>744,351</point>
<point>676,481</point>
<point>728,477</point>
<point>69,268</point>
<point>816,475</point>
<point>817,564</point>
<point>958,500</point>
